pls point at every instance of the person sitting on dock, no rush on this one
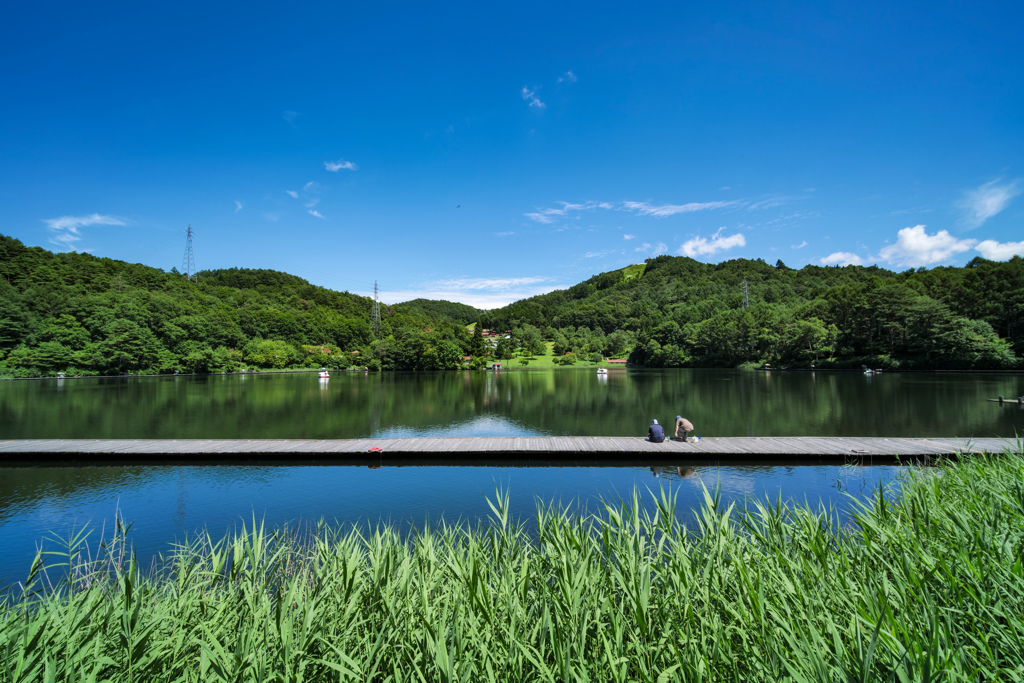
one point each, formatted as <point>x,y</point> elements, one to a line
<point>684,424</point>
<point>655,433</point>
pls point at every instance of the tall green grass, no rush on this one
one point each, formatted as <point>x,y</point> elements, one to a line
<point>924,586</point>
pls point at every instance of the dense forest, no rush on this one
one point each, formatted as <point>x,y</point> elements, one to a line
<point>675,312</point>
<point>80,314</point>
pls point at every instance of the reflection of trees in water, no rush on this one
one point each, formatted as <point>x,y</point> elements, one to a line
<point>22,487</point>
<point>569,402</point>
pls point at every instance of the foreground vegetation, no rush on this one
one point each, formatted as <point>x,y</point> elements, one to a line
<point>924,584</point>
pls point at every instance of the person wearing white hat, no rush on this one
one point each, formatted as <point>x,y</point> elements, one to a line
<point>684,424</point>
<point>655,433</point>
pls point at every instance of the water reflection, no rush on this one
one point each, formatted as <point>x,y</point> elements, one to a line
<point>167,503</point>
<point>535,402</point>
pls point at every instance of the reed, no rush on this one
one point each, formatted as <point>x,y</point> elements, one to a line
<point>925,583</point>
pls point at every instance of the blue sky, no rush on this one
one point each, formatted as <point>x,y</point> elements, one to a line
<point>485,152</point>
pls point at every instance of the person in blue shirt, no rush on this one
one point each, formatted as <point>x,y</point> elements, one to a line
<point>655,433</point>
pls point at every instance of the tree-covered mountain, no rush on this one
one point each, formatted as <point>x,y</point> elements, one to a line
<point>675,311</point>
<point>76,313</point>
<point>452,310</point>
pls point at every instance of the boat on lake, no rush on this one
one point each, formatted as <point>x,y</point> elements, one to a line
<point>324,374</point>
<point>602,371</point>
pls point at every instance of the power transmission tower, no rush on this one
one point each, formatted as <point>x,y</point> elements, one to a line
<point>375,313</point>
<point>746,294</point>
<point>188,262</point>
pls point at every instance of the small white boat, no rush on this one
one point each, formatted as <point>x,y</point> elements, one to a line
<point>602,371</point>
<point>324,375</point>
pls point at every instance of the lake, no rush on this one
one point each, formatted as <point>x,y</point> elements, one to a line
<point>167,502</point>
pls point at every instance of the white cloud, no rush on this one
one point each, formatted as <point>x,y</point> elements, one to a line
<point>646,209</point>
<point>73,223</point>
<point>312,212</point>
<point>914,247</point>
<point>68,228</point>
<point>653,250</point>
<point>311,185</point>
<point>479,292</point>
<point>340,164</point>
<point>531,97</point>
<point>545,215</point>
<point>981,204</point>
<point>311,203</point>
<point>292,193</point>
<point>497,284</point>
<point>504,234</point>
<point>767,203</point>
<point>238,206</point>
<point>629,237</point>
<point>799,246</point>
<point>568,77</point>
<point>701,246</point>
<point>994,251</point>
<point>842,258</point>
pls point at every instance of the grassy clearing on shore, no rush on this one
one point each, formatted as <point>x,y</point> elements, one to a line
<point>928,585</point>
<point>547,360</point>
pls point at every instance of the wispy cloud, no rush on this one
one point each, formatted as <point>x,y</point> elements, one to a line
<point>531,97</point>
<point>238,206</point>
<point>548,215</point>
<point>914,247</point>
<point>504,234</point>
<point>491,283</point>
<point>665,210</point>
<point>598,254</point>
<point>317,214</point>
<point>842,258</point>
<point>995,251</point>
<point>67,229</point>
<point>767,203</point>
<point>701,246</point>
<point>271,216</point>
<point>629,237</point>
<point>311,203</point>
<point>799,246</point>
<point>292,193</point>
<point>339,165</point>
<point>480,292</point>
<point>310,186</point>
<point>568,77</point>
<point>290,116</point>
<point>981,204</point>
<point>652,250</point>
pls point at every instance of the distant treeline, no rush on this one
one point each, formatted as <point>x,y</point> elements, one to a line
<point>79,314</point>
<point>679,312</point>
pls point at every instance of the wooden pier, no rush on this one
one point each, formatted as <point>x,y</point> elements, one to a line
<point>484,450</point>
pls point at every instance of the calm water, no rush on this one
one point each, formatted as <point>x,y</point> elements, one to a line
<point>168,502</point>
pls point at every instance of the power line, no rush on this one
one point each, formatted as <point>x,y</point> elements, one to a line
<point>188,262</point>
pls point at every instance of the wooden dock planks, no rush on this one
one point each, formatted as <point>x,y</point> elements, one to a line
<point>553,446</point>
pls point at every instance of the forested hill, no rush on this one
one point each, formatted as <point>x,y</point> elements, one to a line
<point>675,311</point>
<point>76,313</point>
<point>462,313</point>
<point>79,314</point>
